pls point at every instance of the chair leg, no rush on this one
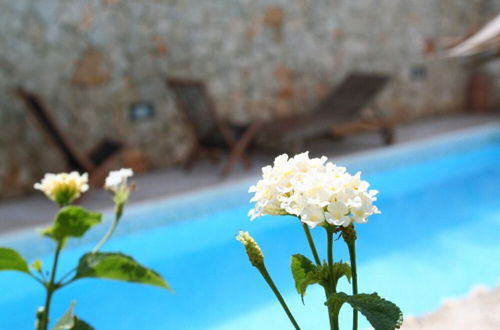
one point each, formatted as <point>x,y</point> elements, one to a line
<point>296,147</point>
<point>213,155</point>
<point>228,166</point>
<point>387,133</point>
<point>239,150</point>
<point>246,161</point>
<point>193,155</point>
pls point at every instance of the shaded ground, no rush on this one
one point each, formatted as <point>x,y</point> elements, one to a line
<point>479,310</point>
<point>34,210</point>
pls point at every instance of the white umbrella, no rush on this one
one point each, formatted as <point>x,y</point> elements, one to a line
<point>485,39</point>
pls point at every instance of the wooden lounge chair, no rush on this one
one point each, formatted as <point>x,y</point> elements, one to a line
<point>96,162</point>
<point>341,107</point>
<point>209,131</point>
<point>337,114</point>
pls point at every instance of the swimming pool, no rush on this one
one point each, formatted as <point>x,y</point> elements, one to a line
<point>437,237</point>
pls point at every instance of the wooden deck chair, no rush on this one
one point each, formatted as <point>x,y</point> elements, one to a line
<point>337,114</point>
<point>96,162</point>
<point>339,110</point>
<point>209,131</point>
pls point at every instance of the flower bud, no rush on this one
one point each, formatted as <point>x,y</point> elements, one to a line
<point>39,316</point>
<point>117,182</point>
<point>349,234</point>
<point>37,265</point>
<point>252,248</point>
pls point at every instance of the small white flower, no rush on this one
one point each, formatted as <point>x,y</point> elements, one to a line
<point>337,214</point>
<point>63,188</point>
<point>117,180</point>
<point>313,216</point>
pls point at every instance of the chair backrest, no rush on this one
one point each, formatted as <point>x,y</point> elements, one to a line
<point>40,112</point>
<point>191,97</point>
<point>353,94</point>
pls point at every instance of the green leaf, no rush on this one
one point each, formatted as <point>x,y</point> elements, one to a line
<point>336,300</point>
<point>71,221</point>
<point>304,273</point>
<point>11,260</point>
<point>117,266</point>
<point>341,269</point>
<point>70,322</point>
<point>81,325</point>
<point>382,314</point>
<point>66,321</point>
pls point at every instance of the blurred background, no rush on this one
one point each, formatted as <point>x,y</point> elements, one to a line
<point>192,92</point>
<point>101,68</point>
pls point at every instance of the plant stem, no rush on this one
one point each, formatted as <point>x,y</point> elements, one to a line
<point>333,314</point>
<point>311,244</point>
<point>99,245</point>
<point>318,262</point>
<point>352,254</point>
<point>106,237</point>
<point>262,269</point>
<point>50,287</point>
<point>329,232</point>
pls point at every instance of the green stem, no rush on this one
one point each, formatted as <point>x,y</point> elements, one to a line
<point>65,276</point>
<point>37,279</point>
<point>311,244</point>
<point>333,314</point>
<point>329,232</point>
<point>352,254</point>
<point>262,269</point>
<point>105,238</point>
<point>51,288</point>
<point>318,262</point>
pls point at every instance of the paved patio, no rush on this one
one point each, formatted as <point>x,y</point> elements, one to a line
<point>35,210</point>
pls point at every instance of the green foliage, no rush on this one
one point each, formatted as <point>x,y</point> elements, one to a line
<point>81,325</point>
<point>117,266</point>
<point>11,260</point>
<point>341,269</point>
<point>70,322</point>
<point>71,221</point>
<point>67,320</point>
<point>304,273</point>
<point>382,314</point>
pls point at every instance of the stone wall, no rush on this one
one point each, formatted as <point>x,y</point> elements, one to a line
<point>91,59</point>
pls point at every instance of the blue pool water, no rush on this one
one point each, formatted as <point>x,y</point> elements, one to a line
<point>437,237</point>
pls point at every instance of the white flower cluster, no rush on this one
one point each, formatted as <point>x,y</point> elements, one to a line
<point>63,188</point>
<point>117,180</point>
<point>313,190</point>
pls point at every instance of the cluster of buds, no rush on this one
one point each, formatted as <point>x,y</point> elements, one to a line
<point>64,188</point>
<point>252,248</point>
<point>117,183</point>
